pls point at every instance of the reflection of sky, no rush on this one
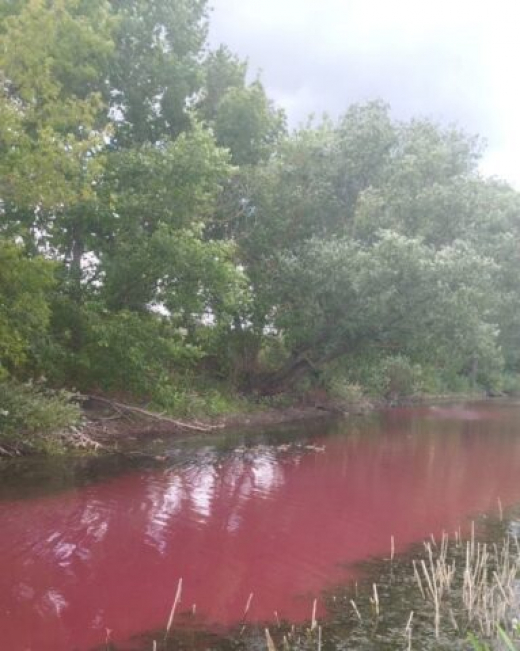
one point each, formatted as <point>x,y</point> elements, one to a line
<point>196,490</point>
<point>202,492</point>
<point>93,519</point>
<point>162,503</point>
<point>267,474</point>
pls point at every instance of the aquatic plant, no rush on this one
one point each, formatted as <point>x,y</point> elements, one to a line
<point>504,639</point>
<point>476,580</point>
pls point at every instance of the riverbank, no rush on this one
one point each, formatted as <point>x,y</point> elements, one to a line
<point>109,423</point>
<point>103,424</point>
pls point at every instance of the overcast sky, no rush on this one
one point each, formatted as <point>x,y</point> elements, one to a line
<point>456,61</point>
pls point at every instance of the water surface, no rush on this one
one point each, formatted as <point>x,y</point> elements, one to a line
<point>282,516</point>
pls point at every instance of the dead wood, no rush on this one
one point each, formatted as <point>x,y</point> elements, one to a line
<point>122,407</point>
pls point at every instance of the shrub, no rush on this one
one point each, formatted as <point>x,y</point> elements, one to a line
<point>122,352</point>
<point>31,415</point>
<point>195,399</point>
<point>341,389</point>
<point>391,376</point>
<point>401,377</point>
<point>511,384</point>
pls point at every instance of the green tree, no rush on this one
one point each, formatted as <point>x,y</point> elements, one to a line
<point>155,70</point>
<point>222,71</point>
<point>25,288</point>
<point>248,125</point>
<point>398,295</point>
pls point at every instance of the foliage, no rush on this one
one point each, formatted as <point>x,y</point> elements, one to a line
<point>122,352</point>
<point>25,284</point>
<point>160,198</point>
<point>247,124</point>
<point>339,296</point>
<point>155,69</point>
<point>30,415</point>
<point>222,71</point>
<point>52,59</point>
<point>341,389</point>
<point>399,377</point>
<point>507,642</point>
<point>196,398</point>
<point>162,231</point>
<point>511,384</point>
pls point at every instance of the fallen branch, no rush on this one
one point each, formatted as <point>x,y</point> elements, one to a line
<point>120,406</point>
<point>81,440</point>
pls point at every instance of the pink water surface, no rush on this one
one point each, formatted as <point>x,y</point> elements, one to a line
<point>279,523</point>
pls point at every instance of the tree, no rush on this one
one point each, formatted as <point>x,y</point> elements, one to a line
<point>248,124</point>
<point>325,277</point>
<point>50,104</point>
<point>106,170</point>
<point>155,70</point>
<point>25,287</point>
<point>222,71</point>
<point>160,199</point>
<point>399,295</point>
<point>53,127</point>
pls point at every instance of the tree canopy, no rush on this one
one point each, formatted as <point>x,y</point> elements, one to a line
<point>164,229</point>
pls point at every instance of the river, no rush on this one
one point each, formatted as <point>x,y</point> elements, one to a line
<point>92,550</point>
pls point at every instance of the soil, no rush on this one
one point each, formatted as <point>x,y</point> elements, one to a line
<point>107,427</point>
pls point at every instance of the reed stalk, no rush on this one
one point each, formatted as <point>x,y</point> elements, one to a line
<point>314,622</point>
<point>356,610</point>
<point>487,582</point>
<point>269,641</point>
<point>376,598</point>
<point>176,602</point>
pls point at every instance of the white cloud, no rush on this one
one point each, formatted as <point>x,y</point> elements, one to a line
<point>453,60</point>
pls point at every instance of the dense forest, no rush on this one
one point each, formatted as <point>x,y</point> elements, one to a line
<point>165,238</point>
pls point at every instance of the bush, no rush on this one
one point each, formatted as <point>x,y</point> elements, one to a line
<point>341,389</point>
<point>31,415</point>
<point>196,400</point>
<point>401,378</point>
<point>121,353</point>
<point>392,376</point>
<point>511,384</point>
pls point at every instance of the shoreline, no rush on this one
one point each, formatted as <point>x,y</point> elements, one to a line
<point>110,430</point>
<point>107,423</point>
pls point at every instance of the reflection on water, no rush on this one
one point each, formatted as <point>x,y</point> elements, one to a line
<point>281,521</point>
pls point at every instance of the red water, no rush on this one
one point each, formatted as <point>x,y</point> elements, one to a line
<point>275,522</point>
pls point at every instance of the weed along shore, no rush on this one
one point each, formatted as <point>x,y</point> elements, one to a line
<point>466,591</point>
<point>99,423</point>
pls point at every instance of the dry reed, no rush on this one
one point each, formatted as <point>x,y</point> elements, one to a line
<point>314,621</point>
<point>269,641</point>
<point>176,602</point>
<point>483,585</point>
